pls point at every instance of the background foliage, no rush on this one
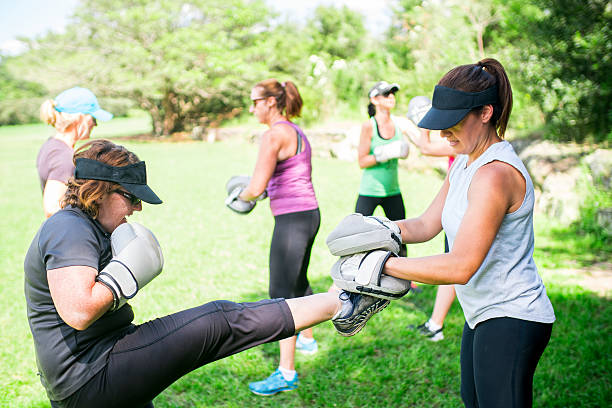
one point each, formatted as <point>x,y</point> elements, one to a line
<point>192,63</point>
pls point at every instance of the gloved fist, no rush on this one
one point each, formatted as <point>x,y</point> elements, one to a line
<point>394,150</point>
<point>137,260</point>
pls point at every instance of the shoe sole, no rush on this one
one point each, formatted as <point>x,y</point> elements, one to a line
<point>307,352</point>
<point>365,319</point>
<point>271,394</point>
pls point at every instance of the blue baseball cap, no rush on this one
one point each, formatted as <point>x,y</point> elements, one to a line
<point>81,100</point>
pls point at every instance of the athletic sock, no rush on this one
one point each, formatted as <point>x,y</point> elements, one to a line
<point>287,374</point>
<point>433,326</point>
<point>306,340</point>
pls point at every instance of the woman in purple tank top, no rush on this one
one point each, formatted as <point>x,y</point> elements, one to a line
<point>283,169</point>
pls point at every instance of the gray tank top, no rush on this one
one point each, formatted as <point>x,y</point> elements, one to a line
<point>507,283</point>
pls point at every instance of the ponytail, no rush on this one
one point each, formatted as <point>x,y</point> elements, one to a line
<point>371,109</point>
<point>59,120</point>
<point>478,77</point>
<point>286,94</point>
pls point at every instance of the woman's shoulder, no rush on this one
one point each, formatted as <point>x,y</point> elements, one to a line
<point>367,125</point>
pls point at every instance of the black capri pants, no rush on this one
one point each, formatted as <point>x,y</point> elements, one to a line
<point>393,207</point>
<point>292,241</point>
<point>498,360</point>
<point>153,355</point>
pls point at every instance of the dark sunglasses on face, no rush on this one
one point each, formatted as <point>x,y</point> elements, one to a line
<point>386,94</point>
<point>131,197</point>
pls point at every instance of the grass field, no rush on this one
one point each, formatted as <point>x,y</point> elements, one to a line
<point>212,253</point>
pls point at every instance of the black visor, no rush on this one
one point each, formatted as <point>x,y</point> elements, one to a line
<point>450,105</point>
<point>132,177</point>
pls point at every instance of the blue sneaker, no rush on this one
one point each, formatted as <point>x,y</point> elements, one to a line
<point>274,384</point>
<point>306,348</point>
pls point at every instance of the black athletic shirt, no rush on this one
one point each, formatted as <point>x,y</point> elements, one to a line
<point>67,358</point>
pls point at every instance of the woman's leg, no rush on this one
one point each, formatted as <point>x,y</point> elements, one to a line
<point>292,241</point>
<point>395,210</point>
<point>153,355</point>
<point>506,353</point>
<point>366,204</point>
<point>444,300</point>
<point>468,386</point>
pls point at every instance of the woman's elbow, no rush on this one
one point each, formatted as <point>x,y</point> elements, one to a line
<point>78,321</point>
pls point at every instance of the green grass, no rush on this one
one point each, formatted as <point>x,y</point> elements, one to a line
<point>212,253</point>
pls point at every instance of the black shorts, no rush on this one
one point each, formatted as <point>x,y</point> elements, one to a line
<point>153,355</point>
<point>292,241</point>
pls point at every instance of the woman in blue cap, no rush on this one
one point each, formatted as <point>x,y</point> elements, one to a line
<point>485,207</point>
<point>73,114</point>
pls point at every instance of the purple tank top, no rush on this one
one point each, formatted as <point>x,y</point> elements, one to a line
<point>290,187</point>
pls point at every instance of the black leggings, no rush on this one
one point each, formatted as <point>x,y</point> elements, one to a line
<point>392,205</point>
<point>292,240</point>
<point>498,360</point>
<point>153,355</point>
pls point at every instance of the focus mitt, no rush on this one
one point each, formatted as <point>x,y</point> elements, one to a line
<point>357,233</point>
<point>234,187</point>
<point>362,273</point>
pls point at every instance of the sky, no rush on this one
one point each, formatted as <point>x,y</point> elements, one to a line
<point>31,18</point>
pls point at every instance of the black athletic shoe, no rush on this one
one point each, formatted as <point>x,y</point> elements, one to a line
<point>355,311</point>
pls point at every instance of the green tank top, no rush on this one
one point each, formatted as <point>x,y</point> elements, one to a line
<point>381,179</point>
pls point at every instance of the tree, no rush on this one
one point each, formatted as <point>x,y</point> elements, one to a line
<point>187,64</point>
<point>564,57</point>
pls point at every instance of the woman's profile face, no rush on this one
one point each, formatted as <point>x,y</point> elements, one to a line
<point>86,125</point>
<point>386,101</point>
<point>258,106</point>
<point>114,209</point>
<point>466,135</point>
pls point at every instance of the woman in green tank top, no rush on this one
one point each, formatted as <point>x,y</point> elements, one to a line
<point>381,144</point>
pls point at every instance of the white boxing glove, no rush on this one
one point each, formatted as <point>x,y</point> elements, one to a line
<point>394,150</point>
<point>137,260</point>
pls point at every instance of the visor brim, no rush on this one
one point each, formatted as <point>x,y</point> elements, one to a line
<point>440,119</point>
<point>143,192</point>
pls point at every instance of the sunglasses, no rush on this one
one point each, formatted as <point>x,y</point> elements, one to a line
<point>386,94</point>
<point>255,101</point>
<point>131,197</point>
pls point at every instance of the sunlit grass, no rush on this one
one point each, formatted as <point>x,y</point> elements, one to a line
<point>212,253</point>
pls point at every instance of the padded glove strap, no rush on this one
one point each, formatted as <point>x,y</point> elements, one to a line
<point>137,262</point>
<point>362,273</point>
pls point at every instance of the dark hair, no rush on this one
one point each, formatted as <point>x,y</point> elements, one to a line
<point>287,96</point>
<point>478,77</point>
<point>85,193</point>
<point>371,109</point>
